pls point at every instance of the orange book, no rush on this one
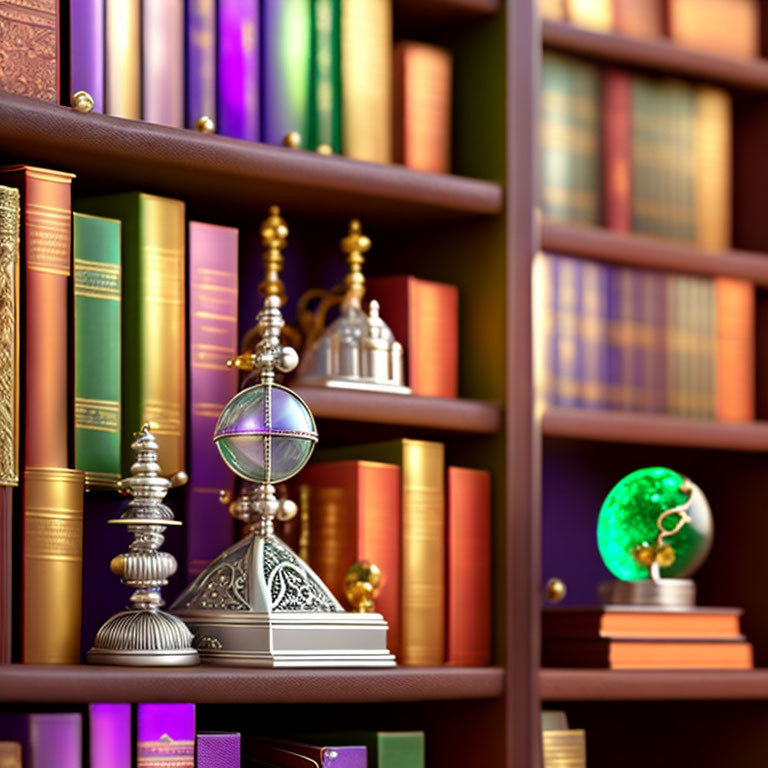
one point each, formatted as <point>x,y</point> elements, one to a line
<point>721,27</point>
<point>639,18</point>
<point>422,106</point>
<point>354,514</point>
<point>424,317</point>
<point>591,14</point>
<point>468,568</point>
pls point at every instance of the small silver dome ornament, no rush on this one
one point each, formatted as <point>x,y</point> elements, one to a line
<point>258,604</point>
<point>357,350</point>
<point>144,635</point>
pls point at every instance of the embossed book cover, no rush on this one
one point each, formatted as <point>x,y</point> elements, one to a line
<point>165,735</point>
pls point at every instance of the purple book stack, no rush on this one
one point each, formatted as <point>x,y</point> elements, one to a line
<point>201,60</point>
<point>47,739</point>
<point>110,735</point>
<point>238,69</point>
<point>86,38</point>
<point>165,735</point>
<point>218,750</point>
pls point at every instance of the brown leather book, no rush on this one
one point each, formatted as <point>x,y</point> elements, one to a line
<point>29,41</point>
<point>468,567</point>
<point>47,256</point>
<point>639,18</point>
<point>617,149</point>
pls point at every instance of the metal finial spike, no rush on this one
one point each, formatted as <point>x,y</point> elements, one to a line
<point>274,238</point>
<point>355,244</point>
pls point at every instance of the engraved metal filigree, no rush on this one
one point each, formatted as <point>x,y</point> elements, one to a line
<point>224,589</point>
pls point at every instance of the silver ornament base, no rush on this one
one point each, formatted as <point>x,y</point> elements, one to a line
<point>188,658</point>
<point>677,594</point>
<point>360,384</point>
<point>290,639</point>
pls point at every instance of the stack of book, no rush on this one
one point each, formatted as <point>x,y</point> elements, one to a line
<point>642,637</point>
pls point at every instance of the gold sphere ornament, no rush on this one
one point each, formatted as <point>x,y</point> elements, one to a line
<point>555,590</point>
<point>324,149</point>
<point>292,139</point>
<point>82,101</point>
<point>205,124</point>
<point>361,586</point>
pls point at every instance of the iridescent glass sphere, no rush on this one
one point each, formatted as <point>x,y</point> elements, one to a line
<point>266,433</point>
<point>628,518</point>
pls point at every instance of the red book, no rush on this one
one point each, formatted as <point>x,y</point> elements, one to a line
<point>424,316</point>
<point>639,18</point>
<point>354,514</point>
<point>468,567</point>
<point>617,149</point>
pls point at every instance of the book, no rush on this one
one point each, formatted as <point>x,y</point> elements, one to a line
<point>617,149</point>
<point>218,750</point>
<point>29,40</point>
<point>96,320</point>
<point>52,565</point>
<point>201,60</point>
<point>386,749</point>
<point>423,85</point>
<point>122,46</point>
<point>468,567</point>
<point>591,14</point>
<point>422,575</point>
<point>280,753</point>
<point>86,49</point>
<point>162,66</point>
<point>109,735</point>
<point>647,654</point>
<point>154,320</point>
<point>553,720</point>
<point>366,79</point>
<point>570,139</point>
<point>46,244</point>
<point>354,514</point>
<point>561,748</point>
<point>568,353</point>
<point>593,331</point>
<point>238,69</point>
<point>639,18</point>
<point>424,317</point>
<point>213,292</point>
<point>10,754</point>
<point>554,10</point>
<point>165,735</point>
<point>729,28</point>
<point>325,94</point>
<point>286,50</point>
<point>51,739</point>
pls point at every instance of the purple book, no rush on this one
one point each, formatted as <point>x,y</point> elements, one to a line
<point>212,341</point>
<point>238,69</point>
<point>201,60</point>
<point>165,735</point>
<point>110,735</point>
<point>294,754</point>
<point>569,358</point>
<point>593,287</point>
<point>286,41</point>
<point>614,339</point>
<point>162,62</point>
<point>218,750</point>
<point>46,739</point>
<point>86,46</point>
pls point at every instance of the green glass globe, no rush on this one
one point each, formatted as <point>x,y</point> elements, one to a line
<point>628,519</point>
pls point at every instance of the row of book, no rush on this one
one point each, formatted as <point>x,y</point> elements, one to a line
<point>728,28</point>
<point>166,735</point>
<point>319,74</point>
<point>642,340</point>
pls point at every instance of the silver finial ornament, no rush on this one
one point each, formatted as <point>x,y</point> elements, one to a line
<point>144,635</point>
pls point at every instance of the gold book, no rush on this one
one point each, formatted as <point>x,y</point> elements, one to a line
<point>123,58</point>
<point>10,754</point>
<point>53,558</point>
<point>564,749</point>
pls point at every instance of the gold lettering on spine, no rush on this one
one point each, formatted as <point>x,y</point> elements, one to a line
<point>9,335</point>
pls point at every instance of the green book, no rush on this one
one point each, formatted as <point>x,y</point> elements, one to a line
<point>153,320</point>
<point>325,96</point>
<point>96,250</point>
<point>386,749</point>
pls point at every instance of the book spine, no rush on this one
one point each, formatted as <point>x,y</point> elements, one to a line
<point>569,358</point>
<point>614,334</point>
<point>639,18</point>
<point>56,739</point>
<point>201,60</point>
<point>238,69</point>
<point>400,749</point>
<point>97,291</point>
<point>641,337</point>
<point>110,735</point>
<point>729,28</point>
<point>52,565</point>
<point>366,79</point>
<point>30,44</point>
<point>162,71</point>
<point>218,750</point>
<point>325,109</point>
<point>165,735</point>
<point>86,49</point>
<point>122,97</point>
<point>422,105</point>
<point>545,339</point>
<point>423,570</point>
<point>468,569</point>
<point>212,341</point>
<point>627,339</point>
<point>660,364</point>
<point>592,334</point>
<point>709,348</point>
<point>591,14</point>
<point>617,149</point>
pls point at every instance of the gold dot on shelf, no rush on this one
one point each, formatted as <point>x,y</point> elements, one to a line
<point>292,139</point>
<point>324,149</point>
<point>82,101</point>
<point>205,124</point>
<point>555,590</point>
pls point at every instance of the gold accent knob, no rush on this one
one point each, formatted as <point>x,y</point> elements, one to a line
<point>224,497</point>
<point>179,478</point>
<point>555,590</point>
<point>324,149</point>
<point>361,586</point>
<point>82,101</point>
<point>117,564</point>
<point>292,139</point>
<point>205,124</point>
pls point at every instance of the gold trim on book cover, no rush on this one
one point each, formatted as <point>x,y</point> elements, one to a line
<point>9,335</point>
<point>107,480</point>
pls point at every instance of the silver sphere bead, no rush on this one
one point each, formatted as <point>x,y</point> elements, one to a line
<point>287,360</point>
<point>288,510</point>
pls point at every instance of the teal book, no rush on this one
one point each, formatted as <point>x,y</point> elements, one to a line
<point>97,300</point>
<point>325,95</point>
<point>570,139</point>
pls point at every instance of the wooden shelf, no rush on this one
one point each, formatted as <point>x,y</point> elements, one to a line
<point>652,253</point>
<point>658,55</point>
<point>228,174</point>
<point>652,685</point>
<point>207,684</point>
<point>653,429</point>
<point>434,413</point>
